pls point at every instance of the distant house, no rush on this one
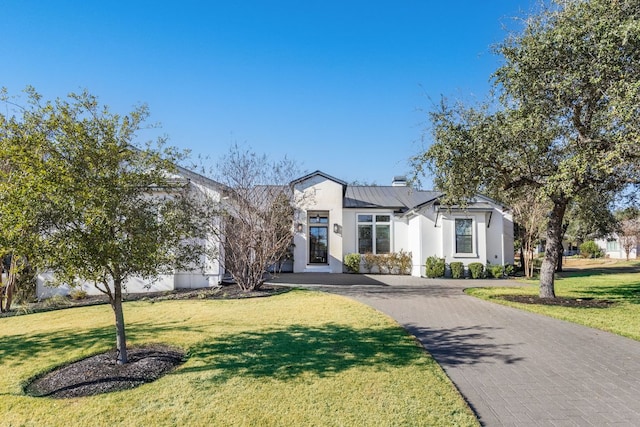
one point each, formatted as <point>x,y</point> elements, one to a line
<point>338,219</point>
<point>613,248</point>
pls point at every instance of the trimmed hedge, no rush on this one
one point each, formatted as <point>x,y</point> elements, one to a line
<point>435,267</point>
<point>457,270</point>
<point>352,262</point>
<point>476,270</point>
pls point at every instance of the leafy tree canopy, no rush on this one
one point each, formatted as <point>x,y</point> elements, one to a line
<point>79,199</point>
<point>564,122</point>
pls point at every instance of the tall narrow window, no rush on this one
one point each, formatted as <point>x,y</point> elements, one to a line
<point>464,236</point>
<point>318,237</point>
<point>374,234</point>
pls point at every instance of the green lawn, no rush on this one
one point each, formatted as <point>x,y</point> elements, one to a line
<point>301,358</point>
<point>615,283</point>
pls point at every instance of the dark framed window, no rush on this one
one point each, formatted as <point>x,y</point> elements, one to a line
<point>464,236</point>
<point>374,233</point>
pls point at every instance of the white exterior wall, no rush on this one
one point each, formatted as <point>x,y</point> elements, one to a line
<point>319,194</point>
<point>399,234</point>
<point>618,253</point>
<point>449,237</point>
<point>414,233</point>
<point>431,237</point>
<point>507,238</point>
<point>349,232</point>
<point>495,238</point>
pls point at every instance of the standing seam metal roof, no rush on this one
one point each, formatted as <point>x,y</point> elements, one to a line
<point>403,198</point>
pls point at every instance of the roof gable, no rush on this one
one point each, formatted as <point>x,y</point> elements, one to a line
<point>318,173</point>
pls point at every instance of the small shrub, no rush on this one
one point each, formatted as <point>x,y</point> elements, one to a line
<point>78,294</point>
<point>404,262</point>
<point>435,267</point>
<point>537,262</point>
<point>56,301</point>
<point>590,249</point>
<point>509,270</point>
<point>496,271</point>
<point>457,270</point>
<point>476,270</point>
<point>352,262</point>
<point>379,262</point>
<point>391,262</point>
<point>368,261</point>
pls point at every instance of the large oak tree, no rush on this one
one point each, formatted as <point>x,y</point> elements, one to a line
<point>564,122</point>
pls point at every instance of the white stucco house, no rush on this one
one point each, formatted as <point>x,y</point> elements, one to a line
<point>336,219</point>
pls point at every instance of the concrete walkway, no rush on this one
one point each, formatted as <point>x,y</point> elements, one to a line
<point>513,367</point>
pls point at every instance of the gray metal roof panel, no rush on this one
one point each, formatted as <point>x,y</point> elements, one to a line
<point>387,197</point>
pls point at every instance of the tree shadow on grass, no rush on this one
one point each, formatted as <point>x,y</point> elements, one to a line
<point>569,272</point>
<point>464,345</point>
<point>629,292</point>
<point>21,349</point>
<point>299,349</point>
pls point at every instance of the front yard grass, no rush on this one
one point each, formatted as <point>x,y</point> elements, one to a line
<point>301,358</point>
<point>619,284</point>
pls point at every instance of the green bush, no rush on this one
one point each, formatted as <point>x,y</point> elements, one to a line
<point>476,270</point>
<point>457,270</point>
<point>590,249</point>
<point>537,262</point>
<point>352,262</point>
<point>496,271</point>
<point>435,267</point>
<point>509,270</point>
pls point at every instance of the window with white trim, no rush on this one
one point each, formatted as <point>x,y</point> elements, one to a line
<point>612,245</point>
<point>464,235</point>
<point>374,233</point>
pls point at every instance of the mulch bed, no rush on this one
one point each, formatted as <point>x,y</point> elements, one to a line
<point>565,302</point>
<point>219,293</point>
<point>100,373</point>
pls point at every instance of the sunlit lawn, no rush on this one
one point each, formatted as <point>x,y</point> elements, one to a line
<point>301,358</point>
<point>613,283</point>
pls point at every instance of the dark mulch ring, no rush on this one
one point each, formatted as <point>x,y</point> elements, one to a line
<point>565,302</point>
<point>219,292</point>
<point>100,373</point>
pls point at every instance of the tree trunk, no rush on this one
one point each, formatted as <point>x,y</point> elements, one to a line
<point>121,341</point>
<point>10,285</point>
<point>523,266</point>
<point>553,249</point>
<point>559,266</point>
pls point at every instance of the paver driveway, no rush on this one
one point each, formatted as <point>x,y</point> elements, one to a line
<point>513,367</point>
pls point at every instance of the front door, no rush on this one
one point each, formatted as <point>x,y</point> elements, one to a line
<point>318,238</point>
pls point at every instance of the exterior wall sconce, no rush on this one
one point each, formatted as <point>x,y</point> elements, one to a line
<point>337,228</point>
<point>299,227</point>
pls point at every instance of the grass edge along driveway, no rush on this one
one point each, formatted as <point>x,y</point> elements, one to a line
<point>620,285</point>
<point>302,358</point>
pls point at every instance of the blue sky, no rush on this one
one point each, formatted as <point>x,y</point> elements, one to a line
<point>340,86</point>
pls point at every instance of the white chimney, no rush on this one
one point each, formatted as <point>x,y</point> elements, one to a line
<point>399,181</point>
